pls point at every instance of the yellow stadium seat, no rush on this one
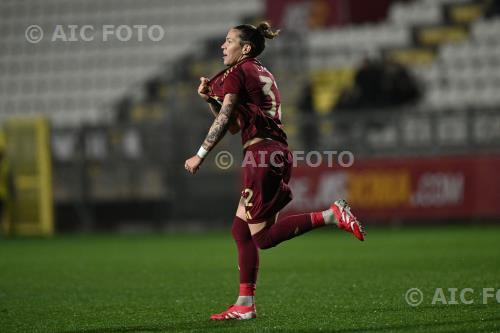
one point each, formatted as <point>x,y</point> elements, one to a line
<point>416,56</point>
<point>328,85</point>
<point>466,13</point>
<point>432,36</point>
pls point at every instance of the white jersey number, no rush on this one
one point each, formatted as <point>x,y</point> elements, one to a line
<point>266,89</point>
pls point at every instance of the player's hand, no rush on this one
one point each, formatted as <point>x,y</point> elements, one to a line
<point>193,164</point>
<point>204,88</point>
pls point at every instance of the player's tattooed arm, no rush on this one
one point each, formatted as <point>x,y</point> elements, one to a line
<point>214,106</point>
<point>221,122</point>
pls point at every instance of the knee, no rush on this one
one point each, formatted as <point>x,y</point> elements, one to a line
<point>263,246</point>
<point>240,230</point>
<point>263,240</point>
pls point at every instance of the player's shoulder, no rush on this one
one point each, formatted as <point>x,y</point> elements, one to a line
<point>246,69</point>
<point>254,68</point>
<point>237,70</point>
<point>251,64</point>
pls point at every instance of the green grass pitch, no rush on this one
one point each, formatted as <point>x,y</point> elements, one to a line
<point>325,281</point>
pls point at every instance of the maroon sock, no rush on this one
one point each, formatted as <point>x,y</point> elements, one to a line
<point>286,228</point>
<point>248,254</point>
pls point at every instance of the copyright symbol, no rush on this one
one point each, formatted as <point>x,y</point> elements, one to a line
<point>33,34</point>
<point>224,160</point>
<point>414,297</point>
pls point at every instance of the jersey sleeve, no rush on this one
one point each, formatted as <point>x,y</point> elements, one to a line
<point>234,83</point>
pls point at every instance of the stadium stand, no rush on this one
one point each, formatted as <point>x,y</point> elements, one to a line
<point>78,82</point>
<point>446,44</point>
<point>467,74</point>
<point>74,82</point>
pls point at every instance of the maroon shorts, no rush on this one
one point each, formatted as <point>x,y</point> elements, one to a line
<point>267,167</point>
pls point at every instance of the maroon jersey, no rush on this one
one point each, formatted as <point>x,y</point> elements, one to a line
<point>259,104</point>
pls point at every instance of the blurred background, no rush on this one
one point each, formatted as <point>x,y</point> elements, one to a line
<point>95,128</point>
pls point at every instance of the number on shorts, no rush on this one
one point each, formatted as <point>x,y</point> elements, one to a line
<point>248,194</point>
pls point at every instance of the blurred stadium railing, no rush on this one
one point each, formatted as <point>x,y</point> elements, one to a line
<point>126,115</point>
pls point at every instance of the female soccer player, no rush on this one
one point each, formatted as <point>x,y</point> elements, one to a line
<point>251,103</point>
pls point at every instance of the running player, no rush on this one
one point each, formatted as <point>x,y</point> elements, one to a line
<point>245,97</point>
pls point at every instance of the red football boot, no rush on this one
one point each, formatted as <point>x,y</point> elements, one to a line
<point>346,219</point>
<point>238,312</point>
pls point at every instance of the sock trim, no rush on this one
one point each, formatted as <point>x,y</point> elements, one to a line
<point>317,219</point>
<point>247,289</point>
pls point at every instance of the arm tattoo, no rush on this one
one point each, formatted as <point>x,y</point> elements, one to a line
<point>221,123</point>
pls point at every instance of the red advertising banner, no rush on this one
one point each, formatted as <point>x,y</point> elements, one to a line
<point>409,188</point>
<point>304,14</point>
<point>313,14</point>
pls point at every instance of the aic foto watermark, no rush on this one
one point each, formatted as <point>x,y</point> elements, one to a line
<point>262,159</point>
<point>90,33</point>
<point>452,296</point>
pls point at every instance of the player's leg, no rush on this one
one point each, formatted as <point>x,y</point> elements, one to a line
<point>266,193</point>
<point>272,231</point>
<point>248,265</point>
<point>269,233</point>
<point>248,257</point>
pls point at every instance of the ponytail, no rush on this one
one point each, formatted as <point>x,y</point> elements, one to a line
<point>265,30</point>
